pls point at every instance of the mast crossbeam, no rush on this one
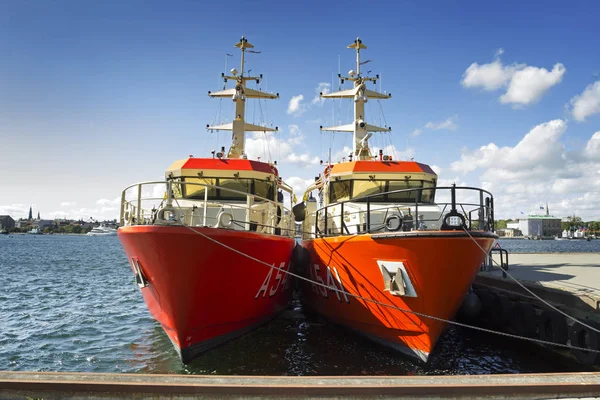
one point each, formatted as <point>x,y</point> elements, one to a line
<point>239,94</point>
<point>360,128</point>
<point>247,127</point>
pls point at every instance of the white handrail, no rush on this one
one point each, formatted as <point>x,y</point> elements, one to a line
<point>270,224</point>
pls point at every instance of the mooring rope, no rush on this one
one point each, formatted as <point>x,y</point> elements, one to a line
<point>529,291</point>
<point>387,305</point>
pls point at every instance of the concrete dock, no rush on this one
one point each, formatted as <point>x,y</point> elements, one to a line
<point>52,385</point>
<point>576,275</point>
<point>570,282</point>
<point>576,272</point>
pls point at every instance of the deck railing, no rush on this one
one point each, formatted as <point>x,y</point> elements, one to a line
<point>162,203</point>
<point>372,215</point>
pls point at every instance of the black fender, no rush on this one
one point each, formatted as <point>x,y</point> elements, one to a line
<point>582,336</point>
<point>553,327</point>
<point>523,319</point>
<point>500,310</point>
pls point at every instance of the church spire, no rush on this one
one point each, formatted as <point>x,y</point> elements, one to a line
<point>547,210</point>
<point>38,218</point>
<point>30,214</point>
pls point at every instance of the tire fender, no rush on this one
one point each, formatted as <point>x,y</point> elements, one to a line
<point>582,336</point>
<point>553,327</point>
<point>486,301</point>
<point>501,307</point>
<point>523,319</point>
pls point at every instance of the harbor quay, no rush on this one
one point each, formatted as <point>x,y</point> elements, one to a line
<point>517,300</point>
<point>49,386</point>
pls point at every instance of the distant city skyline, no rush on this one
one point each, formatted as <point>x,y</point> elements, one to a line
<point>95,96</point>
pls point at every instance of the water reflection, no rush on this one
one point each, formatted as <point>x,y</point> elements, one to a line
<point>299,343</point>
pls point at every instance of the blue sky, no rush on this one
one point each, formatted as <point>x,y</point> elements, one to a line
<point>95,96</point>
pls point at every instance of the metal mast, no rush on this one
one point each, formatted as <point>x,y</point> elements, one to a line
<point>360,94</point>
<point>239,94</point>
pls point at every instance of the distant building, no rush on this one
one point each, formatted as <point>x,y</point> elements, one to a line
<point>44,223</point>
<point>6,222</point>
<point>512,225</point>
<point>30,214</point>
<point>508,232</point>
<point>23,223</point>
<point>541,225</point>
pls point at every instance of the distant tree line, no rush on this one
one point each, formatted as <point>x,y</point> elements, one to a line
<point>55,229</point>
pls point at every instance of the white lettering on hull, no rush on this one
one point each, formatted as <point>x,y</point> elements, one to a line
<point>334,283</point>
<point>281,280</point>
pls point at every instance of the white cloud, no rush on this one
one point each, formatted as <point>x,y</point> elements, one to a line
<point>587,103</point>
<point>538,148</point>
<point>529,84</point>
<point>525,84</point>
<point>322,87</point>
<point>341,154</point>
<point>21,211</point>
<point>538,169</point>
<point>392,150</point>
<point>295,107</point>
<point>490,76</point>
<point>303,160</point>
<point>68,204</point>
<point>406,154</point>
<point>270,146</point>
<point>448,124</point>
<point>266,146</point>
<point>499,52</point>
<point>15,210</point>
<point>85,213</point>
<point>592,148</point>
<point>106,202</point>
<point>294,130</point>
<point>299,185</point>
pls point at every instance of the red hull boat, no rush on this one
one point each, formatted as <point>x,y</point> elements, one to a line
<point>202,293</point>
<point>212,258</point>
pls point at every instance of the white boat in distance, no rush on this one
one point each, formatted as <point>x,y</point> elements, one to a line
<point>102,231</point>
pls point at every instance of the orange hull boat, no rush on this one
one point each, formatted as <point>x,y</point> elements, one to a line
<point>202,298</point>
<point>389,253</point>
<point>437,269</point>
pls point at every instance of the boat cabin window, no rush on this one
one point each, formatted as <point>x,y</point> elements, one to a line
<point>340,191</point>
<point>402,185</point>
<point>427,196</point>
<point>365,188</point>
<point>227,188</point>
<point>194,188</point>
<point>357,189</point>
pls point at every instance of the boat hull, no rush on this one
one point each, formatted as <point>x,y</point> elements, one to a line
<point>202,293</point>
<point>102,234</point>
<point>437,269</point>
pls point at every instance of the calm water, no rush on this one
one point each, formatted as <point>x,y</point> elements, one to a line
<point>550,246</point>
<point>69,303</point>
